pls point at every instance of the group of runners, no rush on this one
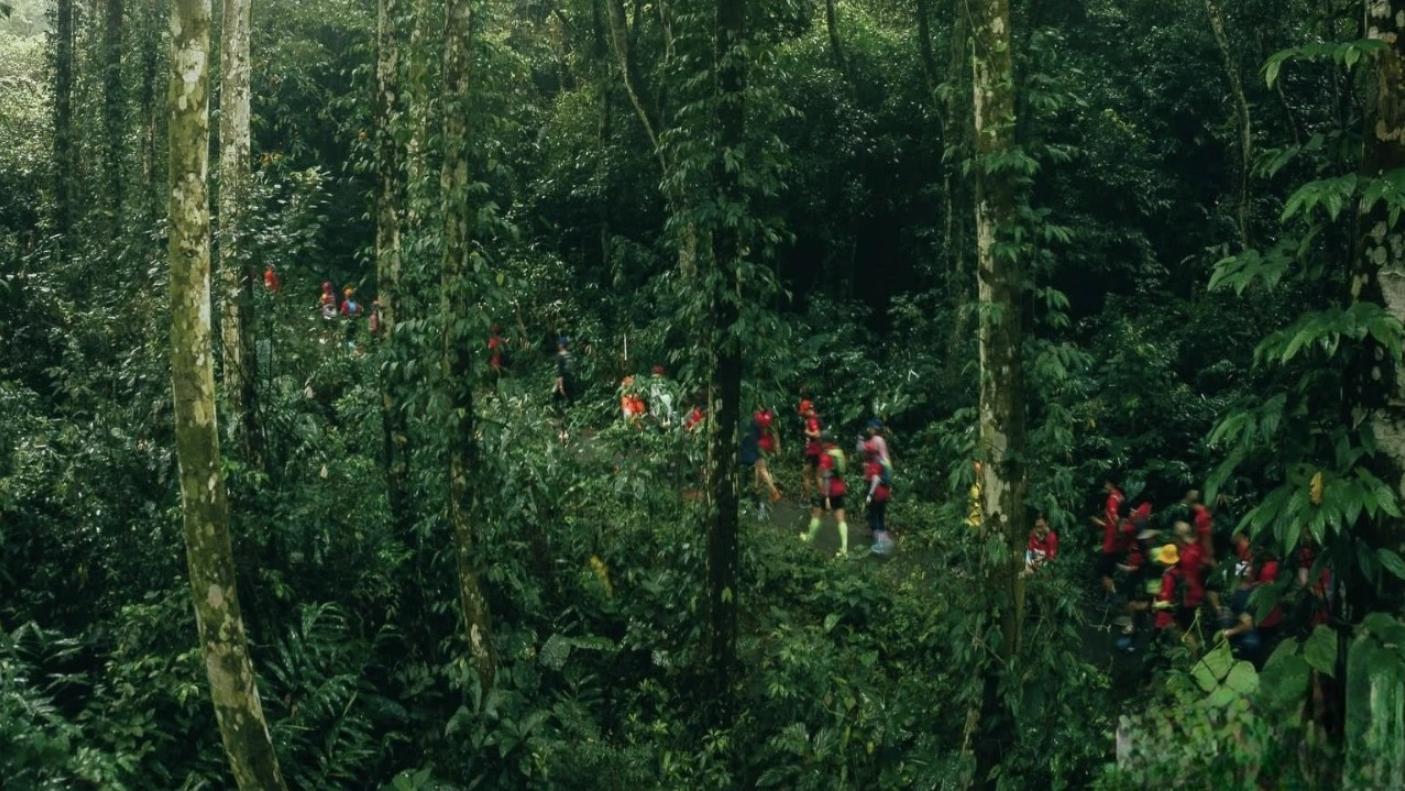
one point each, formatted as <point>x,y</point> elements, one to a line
<point>1168,575</point>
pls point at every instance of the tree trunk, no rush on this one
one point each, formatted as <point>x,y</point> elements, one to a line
<point>725,387</point>
<point>1241,103</point>
<point>388,213</point>
<point>151,190</point>
<point>112,117</point>
<point>1002,419</point>
<point>63,123</point>
<point>836,47</point>
<point>203,499</point>
<point>419,185</point>
<point>236,279</point>
<point>1381,275</point>
<point>459,335</point>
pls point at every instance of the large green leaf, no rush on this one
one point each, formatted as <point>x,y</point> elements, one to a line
<point>1284,680</point>
<point>1320,650</point>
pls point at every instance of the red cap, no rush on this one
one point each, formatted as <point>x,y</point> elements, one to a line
<point>805,406</point>
<point>763,418</point>
<point>1142,513</point>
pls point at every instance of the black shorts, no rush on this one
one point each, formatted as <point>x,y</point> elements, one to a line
<point>1107,564</point>
<point>835,503</point>
<point>812,460</point>
<point>1185,616</point>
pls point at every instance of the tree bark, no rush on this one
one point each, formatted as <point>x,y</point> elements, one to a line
<point>459,336</point>
<point>389,210</point>
<point>150,204</point>
<point>1241,103</point>
<point>63,123</point>
<point>236,278</point>
<point>203,499</point>
<point>725,387</point>
<point>836,46</point>
<point>419,185</point>
<point>1002,418</point>
<point>112,117</point>
<point>1381,269</point>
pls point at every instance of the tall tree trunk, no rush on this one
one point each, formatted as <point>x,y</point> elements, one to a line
<point>388,212</point>
<point>1002,418</point>
<point>1381,267</point>
<point>151,190</point>
<point>836,46</point>
<point>459,329</point>
<point>236,279</point>
<point>63,124</point>
<point>725,388</point>
<point>1241,104</point>
<point>203,499</point>
<point>419,185</point>
<point>112,109</point>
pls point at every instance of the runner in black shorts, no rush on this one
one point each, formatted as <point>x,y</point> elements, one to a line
<point>830,496</point>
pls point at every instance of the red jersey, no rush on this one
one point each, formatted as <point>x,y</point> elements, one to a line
<point>812,445</point>
<point>1165,617</point>
<point>829,471</point>
<point>271,281</point>
<point>873,471</point>
<point>1047,546</point>
<point>1268,573</point>
<point>694,418</point>
<point>1114,536</point>
<point>767,440</point>
<point>1192,569</point>
<point>1204,529</point>
<point>1112,509</point>
<point>495,352</point>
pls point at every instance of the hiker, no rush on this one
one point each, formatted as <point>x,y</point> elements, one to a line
<point>1168,558</point>
<point>975,514</point>
<point>830,495</point>
<point>768,444</point>
<point>1240,631</point>
<point>809,476</point>
<point>663,400</point>
<point>632,405</point>
<point>878,475</point>
<point>350,308</point>
<point>695,418</point>
<point>376,319</point>
<point>497,351</point>
<point>328,301</point>
<point>1042,547</point>
<point>563,386</point>
<point>1115,533</point>
<point>1203,522</point>
<point>272,283</point>
<point>873,432</point>
<point>1191,564</point>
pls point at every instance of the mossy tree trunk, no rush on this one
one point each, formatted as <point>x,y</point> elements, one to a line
<point>389,210</point>
<point>1002,418</point>
<point>236,264</point>
<point>1243,120</point>
<point>113,108</point>
<point>723,486</point>
<point>63,123</point>
<point>203,500</point>
<point>459,329</point>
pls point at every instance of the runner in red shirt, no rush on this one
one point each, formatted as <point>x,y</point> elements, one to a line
<point>877,474</point>
<point>809,478</point>
<point>763,422</point>
<point>1203,521</point>
<point>271,281</point>
<point>830,499</point>
<point>496,349</point>
<point>1191,566</point>
<point>1043,545</point>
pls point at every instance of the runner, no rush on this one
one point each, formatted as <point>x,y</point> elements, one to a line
<point>350,308</point>
<point>328,301</point>
<point>975,514</point>
<point>809,475</point>
<point>563,386</point>
<point>632,405</point>
<point>830,497</point>
<point>878,475</point>
<point>873,432</point>
<point>271,281</point>
<point>663,397</point>
<point>497,351</point>
<point>374,321</point>
<point>768,445</point>
<point>1043,545</point>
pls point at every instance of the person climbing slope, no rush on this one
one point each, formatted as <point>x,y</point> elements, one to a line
<point>878,476</point>
<point>1043,545</point>
<point>271,281</point>
<point>830,495</point>
<point>328,301</point>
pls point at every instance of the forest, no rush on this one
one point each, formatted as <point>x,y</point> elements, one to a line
<point>702,394</point>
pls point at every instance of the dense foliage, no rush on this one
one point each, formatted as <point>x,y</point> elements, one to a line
<point>1187,326</point>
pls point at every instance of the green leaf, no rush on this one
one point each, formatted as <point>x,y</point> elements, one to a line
<point>1243,679</point>
<point>1320,650</point>
<point>1284,680</point>
<point>1391,561</point>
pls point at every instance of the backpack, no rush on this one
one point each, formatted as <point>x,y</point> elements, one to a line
<point>838,456</point>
